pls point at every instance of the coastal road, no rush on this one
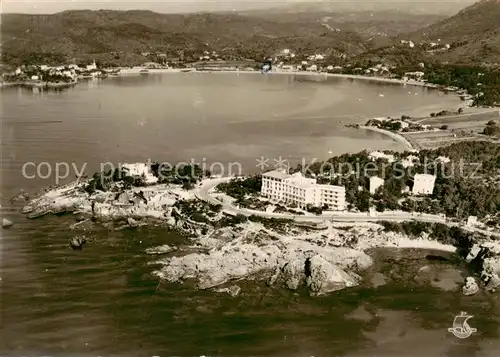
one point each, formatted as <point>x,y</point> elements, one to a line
<point>203,193</point>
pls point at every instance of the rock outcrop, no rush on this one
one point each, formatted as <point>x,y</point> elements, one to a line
<point>470,287</point>
<point>324,277</point>
<point>484,257</point>
<point>233,290</point>
<point>162,249</point>
<point>6,223</point>
<point>294,273</point>
<point>259,253</point>
<point>77,242</point>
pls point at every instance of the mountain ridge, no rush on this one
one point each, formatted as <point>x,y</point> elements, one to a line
<point>121,36</point>
<point>473,33</point>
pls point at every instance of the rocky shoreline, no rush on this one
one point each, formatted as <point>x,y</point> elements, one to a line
<point>323,256</point>
<point>49,85</point>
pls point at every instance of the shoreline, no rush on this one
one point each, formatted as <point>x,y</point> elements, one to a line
<point>238,243</point>
<point>395,81</point>
<point>396,137</point>
<point>272,72</point>
<point>49,85</point>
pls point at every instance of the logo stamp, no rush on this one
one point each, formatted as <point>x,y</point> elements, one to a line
<point>461,328</point>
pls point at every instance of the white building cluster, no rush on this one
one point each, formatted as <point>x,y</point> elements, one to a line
<point>70,71</point>
<point>140,170</point>
<point>376,155</point>
<point>302,191</point>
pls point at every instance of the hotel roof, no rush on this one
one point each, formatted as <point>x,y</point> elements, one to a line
<point>277,174</point>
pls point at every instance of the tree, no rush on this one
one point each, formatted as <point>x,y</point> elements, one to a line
<point>444,127</point>
<point>492,130</point>
<point>187,185</point>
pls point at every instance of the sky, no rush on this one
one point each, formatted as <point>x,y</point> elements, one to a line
<point>175,6</point>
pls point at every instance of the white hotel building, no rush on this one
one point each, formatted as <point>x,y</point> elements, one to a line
<point>423,184</point>
<point>280,186</point>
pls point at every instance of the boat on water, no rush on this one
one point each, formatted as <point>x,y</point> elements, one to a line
<point>144,71</point>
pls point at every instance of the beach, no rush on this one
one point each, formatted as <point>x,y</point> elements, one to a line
<point>128,71</point>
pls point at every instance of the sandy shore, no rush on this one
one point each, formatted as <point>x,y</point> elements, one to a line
<point>295,73</point>
<point>397,137</point>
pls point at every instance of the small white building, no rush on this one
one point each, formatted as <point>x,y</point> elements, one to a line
<point>415,75</point>
<point>375,155</point>
<point>91,67</point>
<point>140,170</point>
<point>471,221</point>
<point>423,184</point>
<point>375,183</point>
<point>302,191</point>
<point>443,159</point>
<point>35,78</point>
<point>409,161</point>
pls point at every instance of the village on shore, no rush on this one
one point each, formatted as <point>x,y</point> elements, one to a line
<point>286,61</point>
<point>65,75</point>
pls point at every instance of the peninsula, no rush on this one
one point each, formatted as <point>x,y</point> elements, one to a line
<point>240,229</point>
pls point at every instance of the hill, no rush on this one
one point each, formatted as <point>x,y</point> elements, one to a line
<point>121,36</point>
<point>473,33</point>
<point>442,8</point>
<point>366,23</point>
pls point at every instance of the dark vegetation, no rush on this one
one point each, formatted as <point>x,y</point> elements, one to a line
<point>271,223</point>
<point>239,188</point>
<point>480,82</point>
<point>473,34</point>
<point>206,213</point>
<point>492,129</point>
<point>444,113</point>
<point>394,125</point>
<point>185,175</point>
<point>198,211</point>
